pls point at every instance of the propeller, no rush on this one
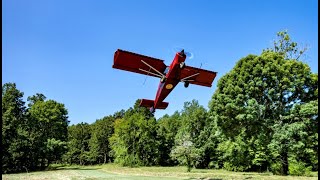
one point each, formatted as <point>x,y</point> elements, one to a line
<point>179,49</point>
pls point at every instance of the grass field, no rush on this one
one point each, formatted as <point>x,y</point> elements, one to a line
<point>112,171</point>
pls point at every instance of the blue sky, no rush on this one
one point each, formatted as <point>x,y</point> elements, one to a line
<point>64,49</point>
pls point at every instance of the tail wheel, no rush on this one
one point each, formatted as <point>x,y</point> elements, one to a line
<point>152,110</point>
<point>186,84</point>
<point>182,65</point>
<point>163,79</point>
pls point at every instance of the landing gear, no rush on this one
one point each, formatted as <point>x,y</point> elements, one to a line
<point>186,84</point>
<point>182,65</point>
<point>163,79</point>
<point>152,110</point>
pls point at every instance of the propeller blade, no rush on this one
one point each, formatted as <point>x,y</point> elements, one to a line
<point>179,49</point>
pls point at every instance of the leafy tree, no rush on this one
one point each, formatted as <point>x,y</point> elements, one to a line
<point>78,144</point>
<point>49,131</point>
<point>185,151</point>
<point>33,99</point>
<point>193,120</point>
<point>134,139</point>
<point>296,137</point>
<point>251,99</point>
<point>119,114</point>
<point>285,47</point>
<point>210,138</point>
<point>99,143</point>
<point>235,154</point>
<point>14,134</point>
<point>167,129</point>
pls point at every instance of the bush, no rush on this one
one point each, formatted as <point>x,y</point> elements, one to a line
<point>231,167</point>
<point>299,169</point>
<point>276,168</point>
<point>131,161</point>
<point>213,165</point>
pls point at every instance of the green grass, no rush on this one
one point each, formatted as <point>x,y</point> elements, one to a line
<point>113,171</point>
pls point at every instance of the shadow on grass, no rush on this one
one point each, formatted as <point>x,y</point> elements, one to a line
<point>257,174</point>
<point>71,168</point>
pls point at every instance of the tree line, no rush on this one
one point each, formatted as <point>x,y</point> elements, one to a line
<point>262,117</point>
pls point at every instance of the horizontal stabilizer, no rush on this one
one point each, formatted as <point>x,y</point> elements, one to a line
<point>150,103</point>
<point>146,103</point>
<point>162,105</point>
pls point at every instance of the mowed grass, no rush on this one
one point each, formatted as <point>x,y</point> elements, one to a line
<point>113,171</point>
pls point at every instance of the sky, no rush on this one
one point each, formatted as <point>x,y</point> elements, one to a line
<point>64,49</point>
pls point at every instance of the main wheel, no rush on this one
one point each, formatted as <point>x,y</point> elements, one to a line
<point>186,84</point>
<point>182,65</point>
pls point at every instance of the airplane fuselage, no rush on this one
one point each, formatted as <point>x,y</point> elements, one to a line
<point>171,80</point>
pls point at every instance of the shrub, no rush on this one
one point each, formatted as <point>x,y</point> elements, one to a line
<point>299,169</point>
<point>276,168</point>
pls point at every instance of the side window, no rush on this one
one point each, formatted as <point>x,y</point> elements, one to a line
<point>166,70</point>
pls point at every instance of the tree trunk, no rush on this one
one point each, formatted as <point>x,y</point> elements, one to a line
<point>188,164</point>
<point>285,163</point>
<point>105,158</point>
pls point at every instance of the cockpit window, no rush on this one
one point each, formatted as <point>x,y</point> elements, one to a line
<point>166,70</point>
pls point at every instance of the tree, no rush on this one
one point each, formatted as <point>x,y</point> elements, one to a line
<point>49,129</point>
<point>99,144</point>
<point>296,137</point>
<point>185,151</point>
<point>134,139</point>
<point>14,134</point>
<point>209,141</point>
<point>167,128</point>
<point>35,98</point>
<point>78,144</point>
<point>251,99</point>
<point>287,48</point>
<point>193,120</point>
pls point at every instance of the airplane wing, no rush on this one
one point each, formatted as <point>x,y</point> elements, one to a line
<point>137,63</point>
<point>197,76</point>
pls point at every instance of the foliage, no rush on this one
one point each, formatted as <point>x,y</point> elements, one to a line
<point>14,134</point>
<point>134,139</point>
<point>49,129</point>
<point>188,142</point>
<point>185,151</point>
<point>287,48</point>
<point>78,144</point>
<point>32,138</point>
<point>299,169</point>
<point>99,144</point>
<point>167,128</point>
<point>258,100</point>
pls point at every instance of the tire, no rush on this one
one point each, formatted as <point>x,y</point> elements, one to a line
<point>186,84</point>
<point>152,110</point>
<point>182,65</point>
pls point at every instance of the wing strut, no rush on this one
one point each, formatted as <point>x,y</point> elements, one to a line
<point>186,78</point>
<point>150,73</point>
<point>159,73</point>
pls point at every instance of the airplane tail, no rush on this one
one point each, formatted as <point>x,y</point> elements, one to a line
<point>150,104</point>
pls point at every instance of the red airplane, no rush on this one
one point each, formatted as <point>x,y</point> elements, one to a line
<point>169,76</point>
